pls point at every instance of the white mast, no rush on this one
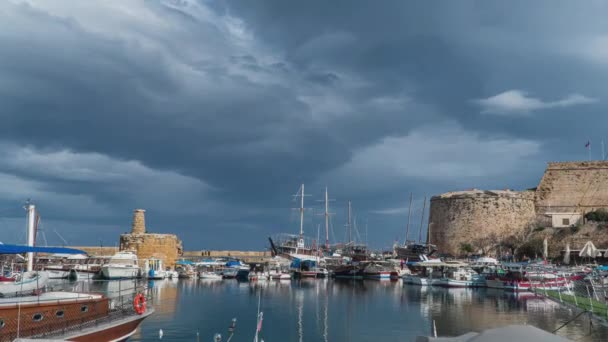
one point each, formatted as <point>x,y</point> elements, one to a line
<point>350,238</point>
<point>31,234</point>
<point>301,240</point>
<point>409,214</point>
<point>421,221</point>
<point>326,220</point>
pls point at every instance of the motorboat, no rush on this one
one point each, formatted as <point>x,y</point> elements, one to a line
<point>462,276</point>
<point>123,265</point>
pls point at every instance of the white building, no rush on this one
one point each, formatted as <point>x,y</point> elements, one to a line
<point>563,220</point>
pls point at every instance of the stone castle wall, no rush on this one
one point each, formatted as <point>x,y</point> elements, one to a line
<point>573,187</point>
<point>167,247</point>
<point>471,216</point>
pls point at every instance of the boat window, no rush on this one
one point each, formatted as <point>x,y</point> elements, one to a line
<point>84,308</point>
<point>2,324</point>
<point>37,317</point>
<point>59,313</point>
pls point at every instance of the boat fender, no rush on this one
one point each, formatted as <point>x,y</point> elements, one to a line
<point>139,304</point>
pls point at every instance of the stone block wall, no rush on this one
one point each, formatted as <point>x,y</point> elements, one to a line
<point>470,216</point>
<point>573,187</point>
<point>166,247</point>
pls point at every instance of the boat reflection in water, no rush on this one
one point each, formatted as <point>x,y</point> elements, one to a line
<point>331,310</point>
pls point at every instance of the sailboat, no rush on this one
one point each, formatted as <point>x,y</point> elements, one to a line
<point>413,251</point>
<point>30,280</point>
<point>305,255</point>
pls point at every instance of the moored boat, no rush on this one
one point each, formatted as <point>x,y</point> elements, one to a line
<point>210,275</point>
<point>123,265</point>
<point>380,270</point>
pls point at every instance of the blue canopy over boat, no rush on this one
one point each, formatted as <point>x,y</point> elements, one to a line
<point>233,263</point>
<point>18,249</point>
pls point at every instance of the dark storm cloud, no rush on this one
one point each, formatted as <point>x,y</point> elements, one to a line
<point>210,114</point>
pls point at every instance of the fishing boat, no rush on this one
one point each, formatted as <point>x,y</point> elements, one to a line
<point>461,276</point>
<point>153,269</point>
<point>185,269</point>
<point>122,265</point>
<point>413,251</point>
<point>425,273</point>
<point>232,269</point>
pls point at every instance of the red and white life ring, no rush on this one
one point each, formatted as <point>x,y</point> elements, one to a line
<point>139,304</point>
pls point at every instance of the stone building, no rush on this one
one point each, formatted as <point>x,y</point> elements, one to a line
<point>470,216</point>
<point>166,247</point>
<point>566,192</point>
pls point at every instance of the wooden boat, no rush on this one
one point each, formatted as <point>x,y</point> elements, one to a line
<point>348,272</point>
<point>67,316</point>
<point>70,316</point>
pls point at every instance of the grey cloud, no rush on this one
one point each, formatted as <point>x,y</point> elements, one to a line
<point>228,106</point>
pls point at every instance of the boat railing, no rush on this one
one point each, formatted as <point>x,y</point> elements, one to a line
<point>120,306</point>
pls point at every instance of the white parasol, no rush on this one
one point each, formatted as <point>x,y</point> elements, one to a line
<point>567,254</point>
<point>589,251</point>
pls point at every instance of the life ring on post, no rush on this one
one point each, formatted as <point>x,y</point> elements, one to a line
<point>139,304</point>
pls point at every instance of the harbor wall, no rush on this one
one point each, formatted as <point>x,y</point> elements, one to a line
<point>478,218</point>
<point>246,256</point>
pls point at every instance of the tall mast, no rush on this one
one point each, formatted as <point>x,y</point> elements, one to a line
<point>326,220</point>
<point>302,212</point>
<point>350,233</point>
<point>421,220</point>
<point>409,214</point>
<point>31,234</point>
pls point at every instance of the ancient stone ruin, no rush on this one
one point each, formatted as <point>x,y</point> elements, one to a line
<point>566,192</point>
<point>166,247</point>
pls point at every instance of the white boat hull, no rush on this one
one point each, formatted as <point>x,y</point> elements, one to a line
<point>210,276</point>
<point>28,282</point>
<point>462,283</point>
<point>58,274</point>
<point>113,272</point>
<point>414,280</point>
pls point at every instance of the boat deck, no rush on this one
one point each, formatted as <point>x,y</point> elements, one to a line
<point>49,297</point>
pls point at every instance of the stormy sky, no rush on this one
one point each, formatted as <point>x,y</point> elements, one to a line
<point>210,114</point>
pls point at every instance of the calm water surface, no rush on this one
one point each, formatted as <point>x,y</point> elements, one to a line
<point>331,310</point>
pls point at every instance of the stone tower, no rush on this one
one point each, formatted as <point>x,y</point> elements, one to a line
<point>139,222</point>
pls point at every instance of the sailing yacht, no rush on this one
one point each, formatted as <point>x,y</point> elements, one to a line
<point>413,251</point>
<point>305,255</point>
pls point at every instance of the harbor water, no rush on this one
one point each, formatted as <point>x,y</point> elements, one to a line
<point>333,310</point>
